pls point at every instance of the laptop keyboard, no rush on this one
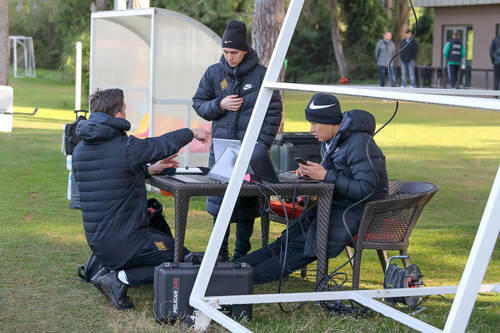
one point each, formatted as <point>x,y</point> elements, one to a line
<point>194,179</point>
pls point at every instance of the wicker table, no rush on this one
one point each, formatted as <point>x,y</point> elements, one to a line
<point>183,191</point>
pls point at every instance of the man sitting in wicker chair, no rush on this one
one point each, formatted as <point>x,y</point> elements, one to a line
<point>354,163</point>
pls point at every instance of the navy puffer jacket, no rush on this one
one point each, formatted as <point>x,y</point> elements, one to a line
<point>244,80</point>
<point>108,167</point>
<point>348,167</point>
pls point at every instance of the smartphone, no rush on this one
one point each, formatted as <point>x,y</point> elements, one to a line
<point>300,160</point>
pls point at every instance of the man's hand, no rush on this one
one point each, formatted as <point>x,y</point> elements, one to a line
<point>312,170</point>
<point>161,165</point>
<point>200,134</point>
<point>231,103</point>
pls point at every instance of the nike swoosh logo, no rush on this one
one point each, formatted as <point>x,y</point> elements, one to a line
<point>228,41</point>
<point>316,107</point>
<point>248,86</point>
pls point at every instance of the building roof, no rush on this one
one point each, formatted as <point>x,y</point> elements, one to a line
<point>453,3</point>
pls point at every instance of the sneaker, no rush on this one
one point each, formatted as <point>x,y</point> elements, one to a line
<point>115,290</point>
<point>95,279</point>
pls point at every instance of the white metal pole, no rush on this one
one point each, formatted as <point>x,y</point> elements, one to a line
<point>478,261</point>
<point>91,60</point>
<point>78,76</point>
<point>15,57</point>
<point>152,48</point>
<point>246,150</point>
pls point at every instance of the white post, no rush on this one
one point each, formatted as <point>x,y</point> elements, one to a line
<point>14,49</point>
<point>478,261</point>
<point>152,74</point>
<point>120,5</point>
<point>78,76</point>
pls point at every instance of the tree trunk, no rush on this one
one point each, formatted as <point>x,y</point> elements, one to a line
<point>4,42</point>
<point>135,4</point>
<point>99,5</point>
<point>401,22</point>
<point>336,40</point>
<point>268,17</point>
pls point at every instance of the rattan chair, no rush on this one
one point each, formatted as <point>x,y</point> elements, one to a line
<point>387,224</point>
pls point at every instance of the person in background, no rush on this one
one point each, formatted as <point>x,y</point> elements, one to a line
<point>495,60</point>
<point>345,163</point>
<point>226,96</point>
<point>454,52</point>
<point>110,168</point>
<point>384,51</point>
<point>408,57</point>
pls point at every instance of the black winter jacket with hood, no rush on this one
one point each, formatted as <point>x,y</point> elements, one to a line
<point>221,80</point>
<point>348,167</point>
<point>108,167</point>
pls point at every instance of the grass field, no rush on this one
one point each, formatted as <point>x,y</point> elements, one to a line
<point>42,240</point>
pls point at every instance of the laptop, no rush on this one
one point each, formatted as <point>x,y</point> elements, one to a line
<point>262,169</point>
<point>225,151</point>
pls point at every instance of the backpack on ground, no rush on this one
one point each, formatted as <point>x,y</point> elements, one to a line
<point>70,137</point>
<point>87,271</point>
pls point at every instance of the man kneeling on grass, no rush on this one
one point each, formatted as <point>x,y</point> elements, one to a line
<point>110,169</point>
<point>346,143</point>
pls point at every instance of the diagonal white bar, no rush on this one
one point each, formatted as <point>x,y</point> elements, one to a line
<point>476,266</point>
<point>469,102</point>
<point>395,314</point>
<point>247,146</point>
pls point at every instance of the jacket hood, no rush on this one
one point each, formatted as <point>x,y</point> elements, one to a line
<point>250,60</point>
<point>101,127</point>
<point>355,121</point>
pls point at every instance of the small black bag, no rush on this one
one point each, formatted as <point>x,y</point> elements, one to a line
<point>70,137</point>
<point>87,271</point>
<point>157,218</point>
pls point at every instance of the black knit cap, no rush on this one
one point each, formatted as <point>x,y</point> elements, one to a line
<point>235,36</point>
<point>324,109</point>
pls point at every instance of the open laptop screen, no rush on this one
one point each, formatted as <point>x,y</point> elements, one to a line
<point>261,166</point>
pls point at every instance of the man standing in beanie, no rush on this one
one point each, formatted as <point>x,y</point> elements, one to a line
<point>226,96</point>
<point>345,163</point>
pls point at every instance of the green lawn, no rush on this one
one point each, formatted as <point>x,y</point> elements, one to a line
<point>42,240</point>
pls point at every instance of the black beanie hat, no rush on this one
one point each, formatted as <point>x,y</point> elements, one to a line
<point>235,36</point>
<point>324,109</point>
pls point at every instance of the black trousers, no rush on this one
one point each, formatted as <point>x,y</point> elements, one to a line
<point>158,249</point>
<point>453,74</point>
<point>496,80</point>
<point>269,262</point>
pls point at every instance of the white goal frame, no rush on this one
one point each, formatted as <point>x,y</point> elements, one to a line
<point>477,262</point>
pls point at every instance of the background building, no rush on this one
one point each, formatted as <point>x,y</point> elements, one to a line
<point>478,21</point>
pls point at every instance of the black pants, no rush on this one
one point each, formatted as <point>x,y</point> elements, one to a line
<point>244,231</point>
<point>496,80</point>
<point>267,262</point>
<point>157,250</point>
<point>453,74</point>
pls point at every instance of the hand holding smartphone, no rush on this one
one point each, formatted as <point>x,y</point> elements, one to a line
<point>300,160</point>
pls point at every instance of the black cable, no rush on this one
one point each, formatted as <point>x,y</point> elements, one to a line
<point>391,73</point>
<point>283,253</point>
<point>322,283</point>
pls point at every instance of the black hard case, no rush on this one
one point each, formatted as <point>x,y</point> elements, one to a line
<point>173,283</point>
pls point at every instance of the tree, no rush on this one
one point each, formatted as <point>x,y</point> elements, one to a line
<point>267,19</point>
<point>4,42</point>
<point>336,40</point>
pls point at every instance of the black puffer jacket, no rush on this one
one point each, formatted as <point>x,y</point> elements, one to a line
<point>244,80</point>
<point>109,169</point>
<point>349,169</point>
